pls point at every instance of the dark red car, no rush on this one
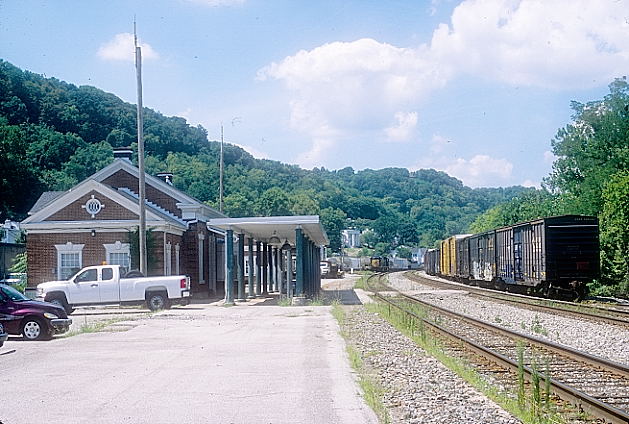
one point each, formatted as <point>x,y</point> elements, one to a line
<point>33,319</point>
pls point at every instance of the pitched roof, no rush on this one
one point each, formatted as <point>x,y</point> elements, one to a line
<point>45,198</point>
<point>180,196</point>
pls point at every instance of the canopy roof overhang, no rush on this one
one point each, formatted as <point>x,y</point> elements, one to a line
<point>262,228</point>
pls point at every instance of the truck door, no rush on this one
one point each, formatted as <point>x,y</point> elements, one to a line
<point>83,288</point>
<point>109,285</point>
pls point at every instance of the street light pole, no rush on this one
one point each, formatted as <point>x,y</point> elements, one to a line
<point>141,183</point>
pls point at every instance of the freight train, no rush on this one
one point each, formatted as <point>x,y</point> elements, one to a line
<point>552,257</point>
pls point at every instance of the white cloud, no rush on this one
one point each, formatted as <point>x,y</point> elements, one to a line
<point>258,154</point>
<point>218,3</point>
<point>404,128</point>
<point>481,170</point>
<point>439,143</point>
<point>558,44</point>
<point>340,89</point>
<point>122,47</point>
<point>549,157</point>
<point>530,183</point>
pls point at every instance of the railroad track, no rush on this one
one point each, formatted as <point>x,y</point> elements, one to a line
<point>595,313</point>
<point>598,386</point>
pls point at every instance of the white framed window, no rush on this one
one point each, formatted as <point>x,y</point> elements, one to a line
<point>201,255</point>
<point>118,253</point>
<point>168,259</point>
<point>177,259</point>
<point>69,259</point>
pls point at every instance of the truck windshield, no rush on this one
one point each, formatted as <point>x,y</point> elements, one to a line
<point>11,293</point>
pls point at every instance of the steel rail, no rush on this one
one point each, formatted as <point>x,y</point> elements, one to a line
<point>528,301</point>
<point>593,360</point>
<point>585,401</point>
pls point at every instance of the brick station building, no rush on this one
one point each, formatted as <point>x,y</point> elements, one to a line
<point>96,222</point>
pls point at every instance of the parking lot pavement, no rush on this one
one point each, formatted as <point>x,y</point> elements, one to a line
<point>197,364</point>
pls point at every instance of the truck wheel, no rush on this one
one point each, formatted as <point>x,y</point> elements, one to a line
<point>61,301</point>
<point>34,329</point>
<point>156,301</point>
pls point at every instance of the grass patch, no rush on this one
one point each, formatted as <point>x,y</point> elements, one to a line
<point>317,301</point>
<point>372,391</point>
<point>285,301</point>
<point>98,326</point>
<point>361,283</point>
<point>519,406</point>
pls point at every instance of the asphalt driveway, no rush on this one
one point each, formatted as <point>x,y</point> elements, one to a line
<point>198,364</point>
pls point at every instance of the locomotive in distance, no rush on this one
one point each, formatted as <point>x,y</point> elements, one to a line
<point>553,257</point>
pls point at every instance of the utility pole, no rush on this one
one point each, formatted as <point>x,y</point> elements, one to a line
<point>220,177</point>
<point>141,183</point>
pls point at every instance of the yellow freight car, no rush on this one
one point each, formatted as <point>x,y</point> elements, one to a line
<point>447,252</point>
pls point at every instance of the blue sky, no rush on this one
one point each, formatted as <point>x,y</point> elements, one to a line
<point>476,88</point>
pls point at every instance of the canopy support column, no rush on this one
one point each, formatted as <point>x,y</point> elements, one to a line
<point>265,268</point>
<point>251,279</point>
<point>229,267</point>
<point>241,267</point>
<point>299,241</point>
<point>258,269</point>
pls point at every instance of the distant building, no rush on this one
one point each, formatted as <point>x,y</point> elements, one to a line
<point>351,238</point>
<point>418,255</point>
<point>10,232</point>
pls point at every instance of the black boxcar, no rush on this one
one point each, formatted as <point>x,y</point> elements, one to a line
<point>553,255</point>
<point>431,261</point>
<point>483,256</point>
<point>462,272</point>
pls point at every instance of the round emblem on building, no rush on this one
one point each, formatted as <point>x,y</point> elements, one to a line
<point>93,206</point>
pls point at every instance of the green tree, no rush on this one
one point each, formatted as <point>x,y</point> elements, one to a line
<point>615,232</point>
<point>334,221</point>
<point>273,202</point>
<point>591,149</point>
<point>404,252</point>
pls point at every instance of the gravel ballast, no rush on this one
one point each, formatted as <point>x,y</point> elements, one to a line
<point>418,388</point>
<point>604,340</point>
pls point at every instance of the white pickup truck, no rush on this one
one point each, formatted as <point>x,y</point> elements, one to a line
<point>101,285</point>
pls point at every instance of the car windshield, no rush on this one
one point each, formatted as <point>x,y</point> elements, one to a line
<point>12,294</point>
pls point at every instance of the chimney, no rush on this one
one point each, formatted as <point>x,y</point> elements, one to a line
<point>167,177</point>
<point>123,153</point>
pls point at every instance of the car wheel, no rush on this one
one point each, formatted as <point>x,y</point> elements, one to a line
<point>34,329</point>
<point>157,301</point>
<point>60,301</point>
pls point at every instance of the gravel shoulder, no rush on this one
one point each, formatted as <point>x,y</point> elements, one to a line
<point>418,388</point>
<point>604,340</point>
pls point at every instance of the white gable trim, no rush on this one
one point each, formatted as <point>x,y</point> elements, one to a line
<point>54,227</point>
<point>181,197</point>
<point>81,190</point>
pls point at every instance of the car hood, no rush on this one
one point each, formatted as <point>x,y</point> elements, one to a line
<point>42,306</point>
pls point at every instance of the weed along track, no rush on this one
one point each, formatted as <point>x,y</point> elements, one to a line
<point>596,313</point>
<point>598,386</point>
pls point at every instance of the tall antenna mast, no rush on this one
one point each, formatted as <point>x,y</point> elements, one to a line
<point>141,183</point>
<point>220,175</point>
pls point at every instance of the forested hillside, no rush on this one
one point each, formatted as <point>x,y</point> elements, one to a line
<point>54,134</point>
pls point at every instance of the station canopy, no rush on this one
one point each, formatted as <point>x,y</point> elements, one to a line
<point>274,229</point>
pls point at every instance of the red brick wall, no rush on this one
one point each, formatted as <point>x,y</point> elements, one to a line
<point>42,254</point>
<point>75,211</point>
<point>126,180</point>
